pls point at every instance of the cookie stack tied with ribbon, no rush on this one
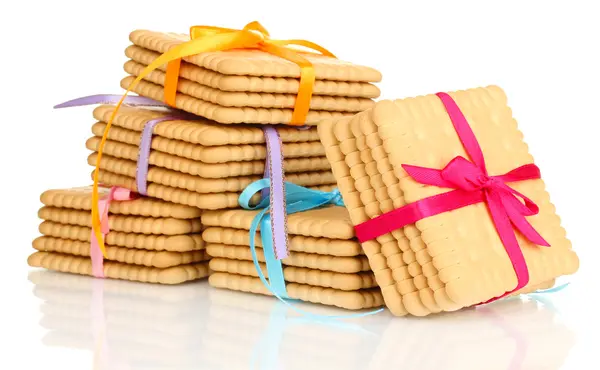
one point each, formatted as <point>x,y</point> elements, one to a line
<point>193,161</point>
<point>446,201</point>
<point>263,81</point>
<point>145,239</point>
<point>323,262</point>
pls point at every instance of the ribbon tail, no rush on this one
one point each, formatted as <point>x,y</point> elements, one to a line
<point>258,220</point>
<point>109,99</point>
<point>514,210</point>
<point>507,236</point>
<point>528,231</point>
<point>97,257</point>
<point>274,265</point>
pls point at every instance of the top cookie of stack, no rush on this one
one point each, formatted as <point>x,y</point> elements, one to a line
<point>249,86</point>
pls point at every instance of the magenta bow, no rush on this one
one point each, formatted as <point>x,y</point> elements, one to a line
<point>472,184</point>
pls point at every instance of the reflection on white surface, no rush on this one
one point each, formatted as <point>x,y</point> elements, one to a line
<point>134,326</point>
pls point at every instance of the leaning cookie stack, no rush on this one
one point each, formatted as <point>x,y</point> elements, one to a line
<point>249,86</point>
<point>197,162</point>
<point>326,264</point>
<point>452,259</point>
<point>149,240</point>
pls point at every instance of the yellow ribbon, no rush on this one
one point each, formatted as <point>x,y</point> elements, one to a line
<point>210,39</point>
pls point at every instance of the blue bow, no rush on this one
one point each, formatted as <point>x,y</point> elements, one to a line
<point>298,199</point>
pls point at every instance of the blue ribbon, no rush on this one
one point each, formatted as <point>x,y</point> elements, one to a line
<point>298,199</point>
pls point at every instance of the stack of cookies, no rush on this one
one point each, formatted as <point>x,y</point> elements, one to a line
<point>249,86</point>
<point>453,259</point>
<point>197,162</point>
<point>325,264</point>
<point>149,240</point>
<point>201,150</point>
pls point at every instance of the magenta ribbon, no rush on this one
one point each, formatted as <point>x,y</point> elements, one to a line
<point>472,185</point>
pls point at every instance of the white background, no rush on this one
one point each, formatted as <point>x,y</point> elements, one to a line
<point>544,54</point>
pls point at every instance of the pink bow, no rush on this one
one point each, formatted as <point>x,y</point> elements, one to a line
<point>116,193</point>
<point>472,184</point>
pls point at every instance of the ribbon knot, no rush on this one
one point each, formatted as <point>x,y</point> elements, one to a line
<point>336,197</point>
<point>463,175</point>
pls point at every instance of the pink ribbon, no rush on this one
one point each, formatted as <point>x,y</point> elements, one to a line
<point>472,185</point>
<point>116,193</point>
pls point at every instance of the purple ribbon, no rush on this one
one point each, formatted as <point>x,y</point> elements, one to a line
<point>274,170</point>
<point>273,164</point>
<point>111,99</point>
<point>141,174</point>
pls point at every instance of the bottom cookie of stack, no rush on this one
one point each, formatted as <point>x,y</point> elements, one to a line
<point>325,263</point>
<point>149,240</point>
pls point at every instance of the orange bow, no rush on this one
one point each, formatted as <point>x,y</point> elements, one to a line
<point>252,36</point>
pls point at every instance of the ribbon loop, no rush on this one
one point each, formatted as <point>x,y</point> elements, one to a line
<point>297,199</point>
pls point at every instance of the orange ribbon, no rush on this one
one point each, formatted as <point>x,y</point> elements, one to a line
<point>210,39</point>
<point>255,36</point>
